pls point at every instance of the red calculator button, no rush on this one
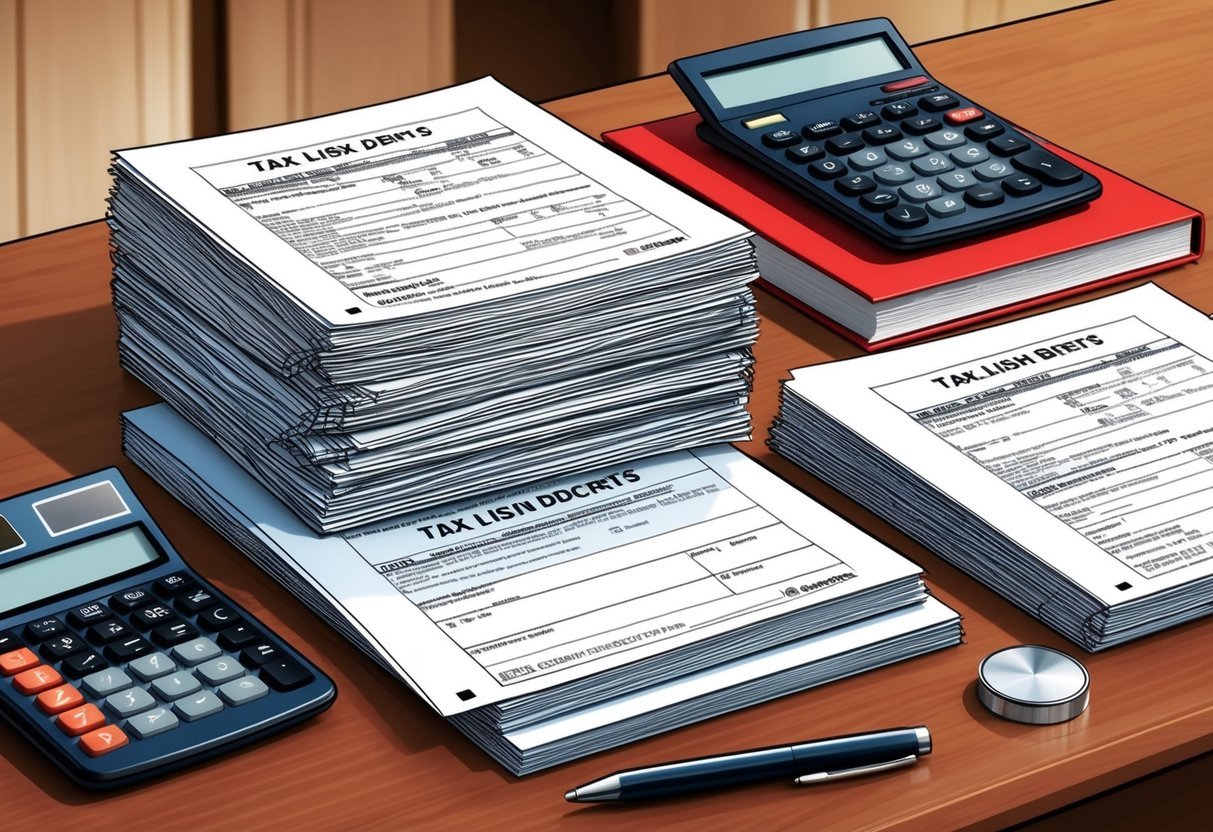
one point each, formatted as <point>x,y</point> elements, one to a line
<point>18,660</point>
<point>103,740</point>
<point>963,115</point>
<point>906,83</point>
<point>36,680</point>
<point>80,721</point>
<point>57,700</point>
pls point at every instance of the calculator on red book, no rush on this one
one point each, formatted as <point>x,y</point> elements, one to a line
<point>117,660</point>
<point>848,118</point>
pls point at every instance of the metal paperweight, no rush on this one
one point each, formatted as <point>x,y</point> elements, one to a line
<point>1033,684</point>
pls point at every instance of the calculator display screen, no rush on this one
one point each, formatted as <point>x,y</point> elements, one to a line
<point>804,72</point>
<point>63,570</point>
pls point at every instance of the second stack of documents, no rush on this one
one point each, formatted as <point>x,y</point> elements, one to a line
<point>420,301</point>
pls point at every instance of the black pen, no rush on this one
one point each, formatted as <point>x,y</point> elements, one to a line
<point>808,762</point>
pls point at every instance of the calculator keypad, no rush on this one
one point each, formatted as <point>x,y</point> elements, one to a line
<point>94,673</point>
<point>915,167</point>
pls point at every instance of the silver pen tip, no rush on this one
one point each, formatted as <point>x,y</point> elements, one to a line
<point>924,740</point>
<point>571,795</point>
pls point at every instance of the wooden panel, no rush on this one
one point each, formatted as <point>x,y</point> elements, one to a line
<point>12,181</point>
<point>290,59</point>
<point>94,77</point>
<point>916,21</point>
<point>669,29</point>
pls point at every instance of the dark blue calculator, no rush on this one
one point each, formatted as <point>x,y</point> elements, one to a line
<point>116,659</point>
<point>847,117</point>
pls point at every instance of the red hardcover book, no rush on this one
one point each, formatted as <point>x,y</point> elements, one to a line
<point>878,297</point>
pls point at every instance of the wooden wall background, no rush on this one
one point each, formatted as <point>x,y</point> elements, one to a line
<point>80,77</point>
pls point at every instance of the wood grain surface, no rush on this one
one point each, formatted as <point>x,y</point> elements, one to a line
<point>1125,83</point>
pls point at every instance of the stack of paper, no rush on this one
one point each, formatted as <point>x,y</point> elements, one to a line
<point>406,304</point>
<point>1064,459</point>
<point>575,614</point>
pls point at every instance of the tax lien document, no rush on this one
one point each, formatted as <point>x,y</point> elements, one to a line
<point>1084,435</point>
<point>534,588</point>
<point>466,194</point>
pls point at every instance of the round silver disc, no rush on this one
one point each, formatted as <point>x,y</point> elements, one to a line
<point>1033,684</point>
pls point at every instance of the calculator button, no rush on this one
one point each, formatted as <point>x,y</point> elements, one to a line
<point>145,618</point>
<point>239,636</point>
<point>127,649</point>
<point>970,155</point>
<point>1048,167</point>
<point>172,584</point>
<point>867,159</point>
<point>804,153</point>
<point>57,700</point>
<point>1008,145</point>
<point>983,196</point>
<point>195,601</point>
<point>827,168</point>
<point>60,647</point>
<point>984,130</point>
<point>957,180</point>
<point>152,666</point>
<point>152,722</point>
<point>963,115</point>
<point>87,615</point>
<point>944,139</point>
<point>932,164</point>
<point>103,740</point>
<point>129,702</point>
<point>9,641</point>
<point>992,170</point>
<point>36,680</point>
<point>220,670</point>
<point>15,661</point>
<point>780,138</point>
<point>105,682</point>
<point>860,120</point>
<point>166,635</point>
<point>44,628</point>
<point>196,707</point>
<point>218,618</point>
<point>907,149</point>
<point>239,691</point>
<point>899,109</point>
<point>108,631</point>
<point>196,652</point>
<point>131,599</point>
<point>285,674</point>
<point>905,216</point>
<point>821,129</point>
<point>854,185</point>
<point>1020,185</point>
<point>920,125</point>
<point>842,145</point>
<point>176,686</point>
<point>879,201</point>
<point>258,654</point>
<point>80,721</point>
<point>920,191</point>
<point>906,83</point>
<point>881,135</point>
<point>893,174</point>
<point>84,663</point>
<point>938,102</point>
<point>946,206</point>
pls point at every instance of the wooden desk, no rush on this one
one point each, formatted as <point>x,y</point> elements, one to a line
<point>1119,82</point>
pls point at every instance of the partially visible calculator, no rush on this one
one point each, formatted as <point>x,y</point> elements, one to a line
<point>847,117</point>
<point>116,659</point>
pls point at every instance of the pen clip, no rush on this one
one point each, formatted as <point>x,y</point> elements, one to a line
<point>858,771</point>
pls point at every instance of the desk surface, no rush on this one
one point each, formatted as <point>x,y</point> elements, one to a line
<point>1119,82</point>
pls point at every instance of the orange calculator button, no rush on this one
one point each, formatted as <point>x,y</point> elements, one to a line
<point>80,721</point>
<point>18,660</point>
<point>36,680</point>
<point>103,740</point>
<point>57,700</point>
